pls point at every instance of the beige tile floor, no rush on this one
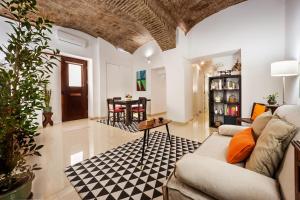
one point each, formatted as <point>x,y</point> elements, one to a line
<point>86,138</point>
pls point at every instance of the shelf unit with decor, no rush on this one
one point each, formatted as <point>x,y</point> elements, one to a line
<point>225,100</point>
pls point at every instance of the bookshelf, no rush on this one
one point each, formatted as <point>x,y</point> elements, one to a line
<point>224,99</point>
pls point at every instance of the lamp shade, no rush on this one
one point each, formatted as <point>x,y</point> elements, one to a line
<point>285,68</point>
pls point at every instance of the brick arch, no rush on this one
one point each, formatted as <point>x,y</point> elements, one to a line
<point>129,24</point>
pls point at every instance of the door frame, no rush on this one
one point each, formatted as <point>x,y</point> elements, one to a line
<point>84,74</point>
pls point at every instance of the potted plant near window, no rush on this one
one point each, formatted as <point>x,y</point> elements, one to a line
<point>22,77</point>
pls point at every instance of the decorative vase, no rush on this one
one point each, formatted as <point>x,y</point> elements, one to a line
<point>21,192</point>
<point>232,99</point>
<point>272,102</point>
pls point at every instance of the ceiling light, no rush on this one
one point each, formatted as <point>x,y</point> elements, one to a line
<point>149,52</point>
<point>202,63</point>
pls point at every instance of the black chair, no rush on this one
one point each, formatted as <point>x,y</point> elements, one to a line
<point>141,109</point>
<point>116,111</point>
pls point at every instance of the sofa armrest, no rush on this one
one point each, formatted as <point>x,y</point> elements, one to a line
<point>221,180</point>
<point>230,130</point>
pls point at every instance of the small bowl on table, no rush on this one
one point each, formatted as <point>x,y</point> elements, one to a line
<point>160,119</point>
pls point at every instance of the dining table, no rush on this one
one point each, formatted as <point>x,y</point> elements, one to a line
<point>128,106</point>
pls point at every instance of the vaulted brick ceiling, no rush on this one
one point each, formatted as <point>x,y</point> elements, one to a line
<point>129,24</point>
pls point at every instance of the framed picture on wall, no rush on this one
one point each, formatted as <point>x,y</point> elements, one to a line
<point>141,80</point>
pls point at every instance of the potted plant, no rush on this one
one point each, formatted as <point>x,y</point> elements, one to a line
<point>26,70</point>
<point>272,98</point>
<point>47,98</point>
<point>128,97</point>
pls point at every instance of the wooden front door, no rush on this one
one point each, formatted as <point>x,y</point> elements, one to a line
<point>74,89</point>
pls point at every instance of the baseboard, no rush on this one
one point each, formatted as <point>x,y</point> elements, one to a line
<point>180,123</point>
<point>161,113</point>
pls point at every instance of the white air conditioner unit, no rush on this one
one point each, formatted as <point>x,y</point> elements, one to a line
<point>71,39</point>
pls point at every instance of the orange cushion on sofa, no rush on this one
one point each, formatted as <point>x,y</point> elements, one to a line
<point>241,146</point>
<point>258,110</point>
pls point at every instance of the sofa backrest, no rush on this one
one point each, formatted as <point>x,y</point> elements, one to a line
<point>286,172</point>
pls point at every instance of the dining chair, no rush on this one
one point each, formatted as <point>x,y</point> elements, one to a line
<point>116,111</point>
<point>118,106</point>
<point>137,105</point>
<point>141,108</point>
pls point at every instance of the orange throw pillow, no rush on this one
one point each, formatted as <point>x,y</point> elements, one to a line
<point>258,110</point>
<point>241,146</point>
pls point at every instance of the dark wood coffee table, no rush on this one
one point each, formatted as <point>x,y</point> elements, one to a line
<point>142,126</point>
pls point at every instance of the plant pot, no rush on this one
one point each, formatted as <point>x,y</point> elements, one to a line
<point>48,109</point>
<point>271,102</point>
<point>20,192</point>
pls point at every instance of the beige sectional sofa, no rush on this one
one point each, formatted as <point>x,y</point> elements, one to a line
<point>205,174</point>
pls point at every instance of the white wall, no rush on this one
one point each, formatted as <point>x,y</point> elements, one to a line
<point>258,29</point>
<point>198,89</point>
<point>179,80</point>
<point>293,48</point>
<point>140,63</point>
<point>158,91</point>
<point>118,80</point>
<point>108,54</point>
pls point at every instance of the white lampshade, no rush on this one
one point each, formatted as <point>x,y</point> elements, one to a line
<point>285,68</point>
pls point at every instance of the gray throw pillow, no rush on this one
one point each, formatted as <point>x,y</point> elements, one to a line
<point>260,123</point>
<point>270,147</point>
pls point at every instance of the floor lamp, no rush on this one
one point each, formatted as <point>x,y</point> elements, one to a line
<point>284,69</point>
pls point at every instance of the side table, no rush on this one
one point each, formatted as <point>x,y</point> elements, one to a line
<point>272,107</point>
<point>142,126</point>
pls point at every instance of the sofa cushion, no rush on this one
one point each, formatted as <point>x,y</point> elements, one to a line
<point>216,147</point>
<point>174,189</point>
<point>286,172</point>
<point>230,130</point>
<point>260,123</point>
<point>224,181</point>
<point>240,146</point>
<point>270,147</point>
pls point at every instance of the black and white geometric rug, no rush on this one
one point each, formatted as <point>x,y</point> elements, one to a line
<point>130,128</point>
<point>116,174</point>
